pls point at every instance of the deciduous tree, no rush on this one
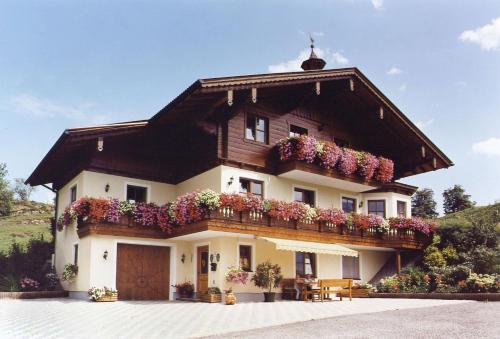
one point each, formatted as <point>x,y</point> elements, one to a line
<point>423,204</point>
<point>456,200</point>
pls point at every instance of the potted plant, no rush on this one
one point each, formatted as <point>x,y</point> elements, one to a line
<point>186,289</point>
<point>268,276</point>
<point>69,273</point>
<point>102,294</point>
<point>360,290</point>
<point>234,275</point>
<point>213,295</point>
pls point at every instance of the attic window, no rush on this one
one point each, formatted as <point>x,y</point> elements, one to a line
<point>341,142</point>
<point>296,131</point>
<point>72,194</point>
<point>256,128</point>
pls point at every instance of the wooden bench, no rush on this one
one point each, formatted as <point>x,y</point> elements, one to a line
<point>340,287</point>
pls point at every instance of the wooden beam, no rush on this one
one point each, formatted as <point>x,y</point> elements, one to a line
<point>318,88</point>
<point>230,97</point>
<point>398,261</point>
<point>254,95</point>
<point>381,112</point>
<point>351,85</point>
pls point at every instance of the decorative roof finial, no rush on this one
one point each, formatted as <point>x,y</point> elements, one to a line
<point>313,63</point>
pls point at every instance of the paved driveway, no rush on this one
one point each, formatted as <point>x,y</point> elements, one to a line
<point>66,318</point>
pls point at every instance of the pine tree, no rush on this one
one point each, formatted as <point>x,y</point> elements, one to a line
<point>423,204</point>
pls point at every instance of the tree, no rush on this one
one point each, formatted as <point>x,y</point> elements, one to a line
<point>22,190</point>
<point>456,200</point>
<point>5,192</point>
<point>423,204</point>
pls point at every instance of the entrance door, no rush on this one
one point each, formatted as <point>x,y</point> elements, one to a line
<point>142,272</point>
<point>202,269</point>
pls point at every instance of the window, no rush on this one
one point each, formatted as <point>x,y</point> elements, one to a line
<point>256,129</point>
<point>251,186</point>
<point>401,209</point>
<point>137,193</point>
<point>305,196</point>
<point>341,142</point>
<point>376,207</point>
<point>72,194</point>
<point>348,205</point>
<point>246,258</point>
<point>305,264</point>
<point>350,267</point>
<point>296,131</point>
<point>75,254</point>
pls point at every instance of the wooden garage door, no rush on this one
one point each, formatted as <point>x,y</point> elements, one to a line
<point>142,272</point>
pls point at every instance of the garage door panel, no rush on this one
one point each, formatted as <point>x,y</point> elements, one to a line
<point>142,272</point>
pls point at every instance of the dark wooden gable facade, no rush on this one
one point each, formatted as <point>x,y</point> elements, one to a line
<point>205,126</point>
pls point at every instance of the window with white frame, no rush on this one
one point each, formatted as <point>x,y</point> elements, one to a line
<point>401,208</point>
<point>72,194</point>
<point>245,257</point>
<point>348,205</point>
<point>350,267</point>
<point>376,207</point>
<point>137,193</point>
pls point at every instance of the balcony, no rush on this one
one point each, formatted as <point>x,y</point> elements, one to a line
<point>226,222</point>
<point>305,159</point>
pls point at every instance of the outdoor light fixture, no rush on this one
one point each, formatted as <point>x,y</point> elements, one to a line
<point>360,204</point>
<point>211,258</point>
<point>231,180</point>
<point>100,144</point>
<point>217,257</point>
<point>105,255</point>
<point>183,258</point>
<point>106,188</point>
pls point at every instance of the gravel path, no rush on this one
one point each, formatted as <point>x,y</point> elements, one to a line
<point>471,320</point>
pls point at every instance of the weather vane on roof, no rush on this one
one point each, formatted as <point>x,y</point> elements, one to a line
<point>312,41</point>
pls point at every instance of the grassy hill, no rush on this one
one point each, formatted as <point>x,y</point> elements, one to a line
<point>28,219</point>
<point>489,213</point>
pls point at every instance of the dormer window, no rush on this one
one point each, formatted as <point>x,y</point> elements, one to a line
<point>296,131</point>
<point>256,129</point>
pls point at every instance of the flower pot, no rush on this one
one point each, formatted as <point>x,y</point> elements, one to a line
<point>210,298</point>
<point>230,298</point>
<point>269,297</point>
<point>108,298</point>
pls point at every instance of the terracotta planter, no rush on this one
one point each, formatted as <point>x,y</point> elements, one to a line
<point>230,298</point>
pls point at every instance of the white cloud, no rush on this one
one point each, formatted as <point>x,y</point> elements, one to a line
<point>488,36</point>
<point>44,108</point>
<point>394,71</point>
<point>490,146</point>
<point>424,124</point>
<point>339,59</point>
<point>378,4</point>
<point>402,88</point>
<point>335,58</point>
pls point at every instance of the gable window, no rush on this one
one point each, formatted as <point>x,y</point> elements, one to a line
<point>296,131</point>
<point>376,207</point>
<point>348,205</point>
<point>341,142</point>
<point>256,128</point>
<point>401,206</point>
<point>305,264</point>
<point>246,257</point>
<point>137,193</point>
<point>72,194</point>
<point>350,267</point>
<point>252,186</point>
<point>75,254</point>
<point>305,196</point>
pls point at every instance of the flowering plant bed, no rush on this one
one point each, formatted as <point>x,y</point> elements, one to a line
<point>344,160</point>
<point>195,206</point>
<point>213,295</point>
<point>33,295</point>
<point>436,295</point>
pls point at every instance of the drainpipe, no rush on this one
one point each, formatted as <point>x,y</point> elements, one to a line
<point>56,205</point>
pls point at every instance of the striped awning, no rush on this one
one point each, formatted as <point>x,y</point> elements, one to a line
<point>311,247</point>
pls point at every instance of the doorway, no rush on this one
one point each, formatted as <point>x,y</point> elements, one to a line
<point>202,269</point>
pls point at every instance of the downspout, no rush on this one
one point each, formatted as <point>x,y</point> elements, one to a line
<point>56,205</point>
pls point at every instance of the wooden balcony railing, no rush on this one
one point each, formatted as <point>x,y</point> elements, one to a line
<point>260,224</point>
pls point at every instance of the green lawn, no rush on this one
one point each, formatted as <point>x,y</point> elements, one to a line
<point>13,229</point>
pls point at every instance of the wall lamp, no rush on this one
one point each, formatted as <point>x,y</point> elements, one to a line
<point>106,188</point>
<point>105,255</point>
<point>183,258</point>
<point>231,180</point>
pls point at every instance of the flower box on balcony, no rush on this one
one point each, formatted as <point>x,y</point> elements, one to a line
<point>308,225</point>
<point>256,218</point>
<point>279,222</point>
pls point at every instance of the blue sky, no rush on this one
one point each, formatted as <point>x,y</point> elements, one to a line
<point>67,64</point>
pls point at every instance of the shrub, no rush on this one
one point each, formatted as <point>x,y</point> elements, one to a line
<point>9,283</point>
<point>28,284</point>
<point>267,276</point>
<point>69,273</point>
